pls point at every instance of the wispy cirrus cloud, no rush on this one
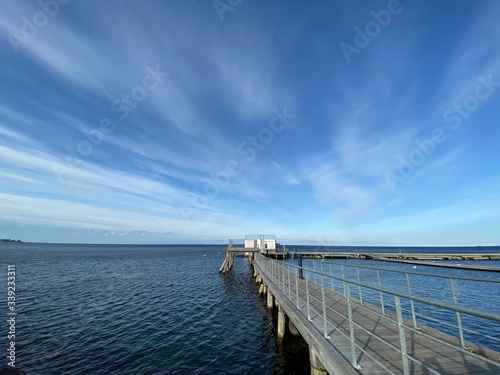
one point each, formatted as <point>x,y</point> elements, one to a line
<point>320,177</point>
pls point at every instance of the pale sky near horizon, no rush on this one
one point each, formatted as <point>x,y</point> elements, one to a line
<point>336,123</point>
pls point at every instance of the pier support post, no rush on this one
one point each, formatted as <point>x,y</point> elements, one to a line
<point>281,323</point>
<point>293,330</point>
<point>317,367</point>
<point>299,264</point>
<point>270,299</point>
<point>225,265</point>
<point>262,289</point>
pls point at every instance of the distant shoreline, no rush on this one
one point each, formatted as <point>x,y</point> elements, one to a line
<point>9,240</point>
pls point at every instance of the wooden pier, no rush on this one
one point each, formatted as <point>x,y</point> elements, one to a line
<point>252,244</point>
<point>401,256</point>
<point>227,264</point>
<point>443,265</point>
<point>423,259</point>
<point>347,336</point>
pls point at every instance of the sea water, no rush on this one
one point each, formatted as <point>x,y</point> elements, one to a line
<point>106,309</point>
<point>146,309</point>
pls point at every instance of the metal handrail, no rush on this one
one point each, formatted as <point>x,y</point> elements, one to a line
<point>426,291</point>
<point>420,288</point>
<point>481,279</point>
<point>427,301</point>
<point>429,318</point>
<point>283,282</point>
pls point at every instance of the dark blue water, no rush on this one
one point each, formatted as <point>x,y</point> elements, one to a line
<point>139,310</point>
<point>102,309</point>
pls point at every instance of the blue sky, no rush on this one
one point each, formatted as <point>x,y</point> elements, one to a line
<point>323,122</point>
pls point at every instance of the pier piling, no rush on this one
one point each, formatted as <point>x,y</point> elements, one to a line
<point>293,330</point>
<point>270,299</point>
<point>262,289</point>
<point>281,323</point>
<point>317,367</point>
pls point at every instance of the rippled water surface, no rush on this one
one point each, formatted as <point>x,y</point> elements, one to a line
<point>140,310</point>
<point>102,309</point>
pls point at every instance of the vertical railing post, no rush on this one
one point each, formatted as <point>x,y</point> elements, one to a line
<point>283,278</point>
<point>402,336</point>
<point>343,277</point>
<point>459,319</point>
<point>307,297</point>
<point>289,284</point>
<point>297,289</point>
<point>381,294</point>
<point>272,273</point>
<point>273,268</point>
<point>323,300</point>
<point>351,326</point>
<point>411,302</point>
<point>359,286</point>
<point>331,273</point>
<point>299,264</point>
<point>276,272</point>
<point>268,267</point>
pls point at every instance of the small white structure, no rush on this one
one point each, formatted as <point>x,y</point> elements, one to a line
<point>253,243</point>
<point>262,242</point>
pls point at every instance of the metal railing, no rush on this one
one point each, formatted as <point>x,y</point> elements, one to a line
<point>479,293</point>
<point>235,242</point>
<point>410,312</point>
